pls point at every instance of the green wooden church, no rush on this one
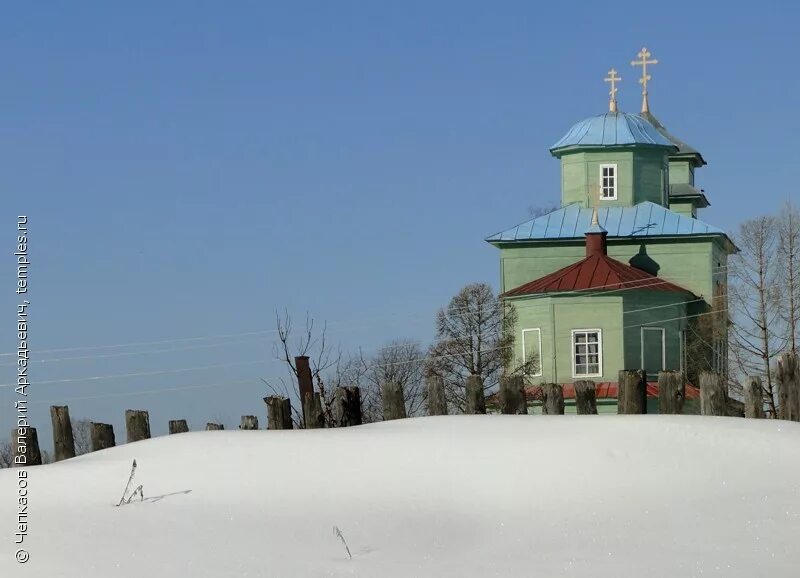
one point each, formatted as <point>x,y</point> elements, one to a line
<point>624,275</point>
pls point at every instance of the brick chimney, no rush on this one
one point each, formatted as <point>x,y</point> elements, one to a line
<point>596,237</point>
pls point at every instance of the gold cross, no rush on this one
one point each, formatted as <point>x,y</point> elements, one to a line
<point>613,79</point>
<point>643,55</point>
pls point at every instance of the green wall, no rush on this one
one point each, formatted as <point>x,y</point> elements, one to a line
<point>642,175</point>
<point>619,317</point>
<point>556,317</point>
<point>681,172</point>
<point>685,262</point>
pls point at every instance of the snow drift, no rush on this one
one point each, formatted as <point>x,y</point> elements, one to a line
<point>460,496</point>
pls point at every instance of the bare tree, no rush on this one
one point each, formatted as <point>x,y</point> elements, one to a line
<point>82,434</point>
<point>399,362</point>
<point>310,342</point>
<point>474,336</point>
<point>6,454</point>
<point>789,271</point>
<point>754,298</point>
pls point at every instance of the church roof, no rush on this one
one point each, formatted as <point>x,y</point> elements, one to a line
<point>641,220</point>
<point>685,191</point>
<point>609,130</point>
<point>599,272</point>
<point>684,150</point>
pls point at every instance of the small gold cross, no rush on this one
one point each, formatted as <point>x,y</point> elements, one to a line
<point>643,61</point>
<point>613,79</point>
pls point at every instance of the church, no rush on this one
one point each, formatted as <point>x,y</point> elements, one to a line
<point>624,275</point>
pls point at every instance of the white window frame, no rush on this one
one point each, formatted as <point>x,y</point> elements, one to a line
<point>599,353</point>
<point>538,330</point>
<point>613,197</point>
<point>663,345</point>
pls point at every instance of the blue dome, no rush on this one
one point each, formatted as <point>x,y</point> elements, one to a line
<point>612,129</point>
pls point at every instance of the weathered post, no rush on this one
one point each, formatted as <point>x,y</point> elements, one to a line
<point>178,426</point>
<point>671,392</point>
<point>102,436</point>
<point>476,400</point>
<point>394,402</point>
<point>585,397</point>
<point>788,378</point>
<point>552,399</point>
<point>347,406</point>
<point>632,392</point>
<point>249,422</point>
<point>512,395</point>
<point>437,403</point>
<point>312,410</point>
<point>279,412</point>
<point>63,441</point>
<point>137,425</point>
<point>305,379</point>
<point>211,426</point>
<point>753,398</point>
<point>713,397</point>
<point>25,447</point>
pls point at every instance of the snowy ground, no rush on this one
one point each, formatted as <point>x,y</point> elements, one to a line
<point>461,496</point>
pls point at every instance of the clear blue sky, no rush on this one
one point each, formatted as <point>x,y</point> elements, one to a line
<point>189,167</point>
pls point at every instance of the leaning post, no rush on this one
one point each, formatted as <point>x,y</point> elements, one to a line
<point>552,399</point>
<point>632,392</point>
<point>585,397</point>
<point>63,440</point>
<point>671,392</point>
<point>476,400</point>
<point>713,396</point>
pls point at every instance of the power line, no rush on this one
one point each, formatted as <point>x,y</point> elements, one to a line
<point>273,331</point>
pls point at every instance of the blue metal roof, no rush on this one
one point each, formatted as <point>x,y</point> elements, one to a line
<point>612,129</point>
<point>643,220</point>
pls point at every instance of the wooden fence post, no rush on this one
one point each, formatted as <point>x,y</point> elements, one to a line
<point>476,400</point>
<point>178,426</point>
<point>305,382</point>
<point>102,436</point>
<point>249,422</point>
<point>552,399</point>
<point>27,438</point>
<point>585,397</point>
<point>753,398</point>
<point>437,403</point>
<point>512,395</point>
<point>63,440</point>
<point>211,426</point>
<point>671,392</point>
<point>394,402</point>
<point>713,397</point>
<point>347,406</point>
<point>788,378</point>
<point>632,392</point>
<point>137,425</point>
<point>279,412</point>
<point>312,411</point>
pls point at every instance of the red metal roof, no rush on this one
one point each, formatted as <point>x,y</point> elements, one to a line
<point>597,271</point>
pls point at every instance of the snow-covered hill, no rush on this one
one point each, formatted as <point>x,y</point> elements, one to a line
<point>460,496</point>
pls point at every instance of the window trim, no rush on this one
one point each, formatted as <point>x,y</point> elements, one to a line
<point>616,177</point>
<point>663,345</point>
<point>599,352</point>
<point>541,363</point>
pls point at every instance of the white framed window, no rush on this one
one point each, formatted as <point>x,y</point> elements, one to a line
<point>654,349</point>
<point>532,349</point>
<point>608,182</point>
<point>587,352</point>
